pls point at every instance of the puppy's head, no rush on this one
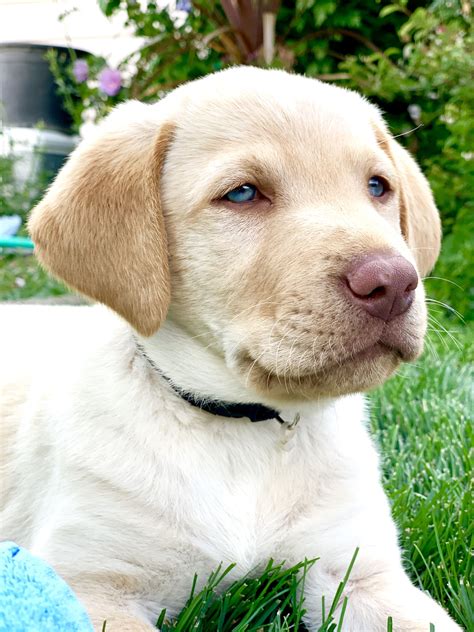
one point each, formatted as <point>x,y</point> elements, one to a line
<point>270,215</point>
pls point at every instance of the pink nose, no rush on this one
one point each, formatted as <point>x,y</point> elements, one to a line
<point>382,284</point>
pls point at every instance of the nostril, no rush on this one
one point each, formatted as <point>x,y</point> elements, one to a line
<point>364,288</point>
<point>379,292</point>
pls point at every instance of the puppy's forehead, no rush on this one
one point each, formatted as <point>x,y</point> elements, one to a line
<point>250,105</point>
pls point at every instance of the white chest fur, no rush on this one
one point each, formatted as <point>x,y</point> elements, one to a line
<point>229,489</point>
<point>136,481</point>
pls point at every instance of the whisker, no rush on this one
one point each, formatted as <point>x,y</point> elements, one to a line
<point>419,248</point>
<point>446,280</point>
<point>264,350</point>
<point>239,314</point>
<point>434,301</point>
<point>302,357</point>
<point>431,318</point>
<point>438,333</point>
<point>410,131</point>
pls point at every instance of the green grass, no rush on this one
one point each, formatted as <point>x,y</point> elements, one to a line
<point>422,421</point>
<point>21,277</point>
<point>272,601</point>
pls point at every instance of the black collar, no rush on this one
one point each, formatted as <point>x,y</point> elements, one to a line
<point>254,412</point>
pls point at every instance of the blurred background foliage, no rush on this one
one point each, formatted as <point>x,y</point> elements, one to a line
<point>414,59</point>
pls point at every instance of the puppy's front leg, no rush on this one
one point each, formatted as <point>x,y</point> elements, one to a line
<point>113,615</point>
<point>372,599</point>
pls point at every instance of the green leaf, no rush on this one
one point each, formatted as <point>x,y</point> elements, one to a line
<point>108,7</point>
<point>389,9</point>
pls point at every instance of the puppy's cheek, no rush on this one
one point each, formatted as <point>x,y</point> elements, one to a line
<point>235,342</point>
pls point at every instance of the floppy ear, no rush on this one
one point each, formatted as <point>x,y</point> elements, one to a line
<point>419,216</point>
<point>100,227</point>
<point>420,220</point>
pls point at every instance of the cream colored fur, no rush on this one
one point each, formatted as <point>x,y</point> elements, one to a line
<point>121,485</point>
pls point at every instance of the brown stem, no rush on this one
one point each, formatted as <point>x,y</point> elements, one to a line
<point>348,33</point>
<point>334,76</point>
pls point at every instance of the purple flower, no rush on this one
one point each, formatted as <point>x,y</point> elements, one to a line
<point>183,5</point>
<point>80,70</point>
<point>110,81</point>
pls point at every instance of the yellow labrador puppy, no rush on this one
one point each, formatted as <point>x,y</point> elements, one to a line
<point>261,237</point>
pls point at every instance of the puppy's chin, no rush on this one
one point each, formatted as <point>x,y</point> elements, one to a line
<point>362,372</point>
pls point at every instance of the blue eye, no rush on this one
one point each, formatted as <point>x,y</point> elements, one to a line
<point>245,193</point>
<point>378,186</point>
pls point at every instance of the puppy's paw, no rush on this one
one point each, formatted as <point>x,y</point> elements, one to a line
<point>123,625</point>
<point>436,621</point>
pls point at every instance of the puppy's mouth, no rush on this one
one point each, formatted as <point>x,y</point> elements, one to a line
<point>374,351</point>
<point>367,354</point>
<point>405,347</point>
<point>353,371</point>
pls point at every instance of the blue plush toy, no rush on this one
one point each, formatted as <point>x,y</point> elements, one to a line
<point>33,598</point>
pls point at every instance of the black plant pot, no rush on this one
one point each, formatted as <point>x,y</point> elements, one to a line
<point>27,90</point>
